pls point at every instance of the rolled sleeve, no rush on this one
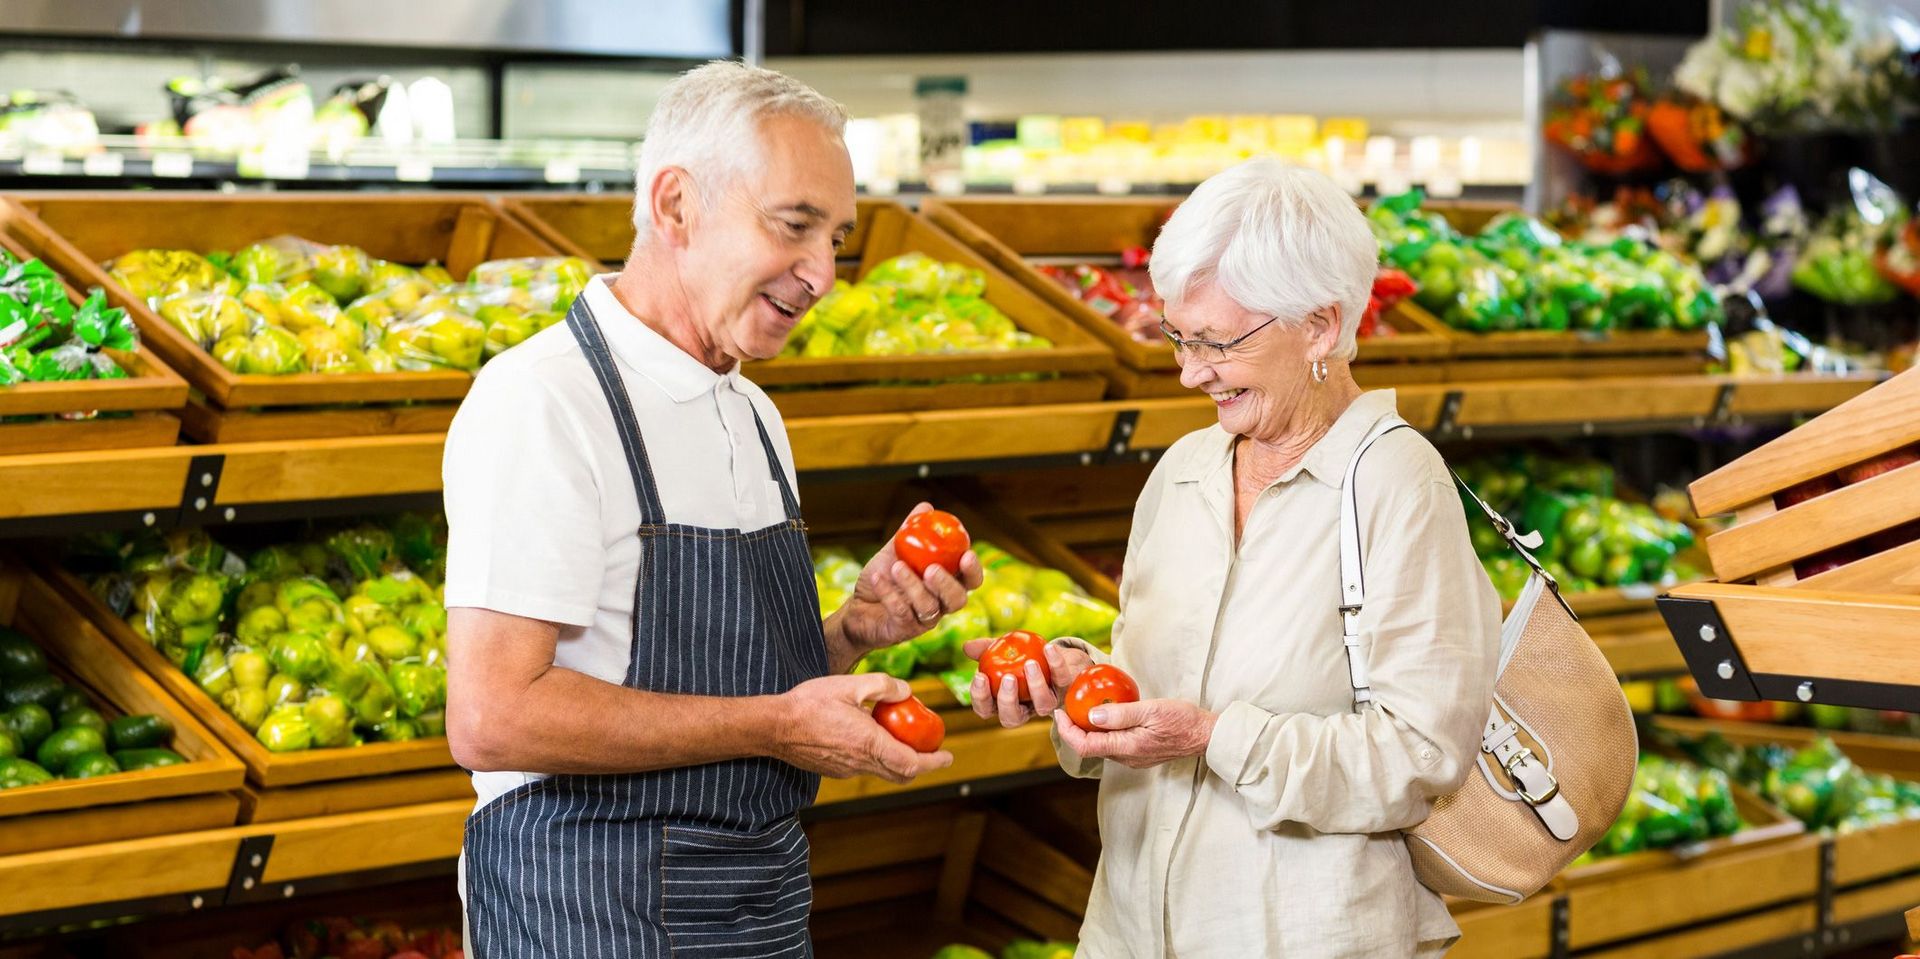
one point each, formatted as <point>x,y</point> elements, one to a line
<point>1235,748</point>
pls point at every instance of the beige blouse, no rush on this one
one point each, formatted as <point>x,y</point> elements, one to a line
<point>1282,840</point>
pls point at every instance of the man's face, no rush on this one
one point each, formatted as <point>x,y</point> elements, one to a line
<point>764,250</point>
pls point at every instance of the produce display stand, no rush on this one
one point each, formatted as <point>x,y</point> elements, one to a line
<point>147,396</point>
<point>602,230</point>
<point>286,784</point>
<point>196,794</point>
<point>1838,636</point>
<point>76,232</point>
<point>1015,233</point>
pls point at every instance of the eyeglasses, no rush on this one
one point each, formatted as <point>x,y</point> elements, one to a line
<point>1208,351</point>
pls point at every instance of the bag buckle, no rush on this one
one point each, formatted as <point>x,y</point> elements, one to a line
<point>1521,758</point>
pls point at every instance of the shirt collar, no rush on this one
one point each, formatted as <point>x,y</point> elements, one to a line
<point>645,351</point>
<point>1326,460</point>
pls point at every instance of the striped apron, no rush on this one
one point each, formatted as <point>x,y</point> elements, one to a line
<point>704,861</point>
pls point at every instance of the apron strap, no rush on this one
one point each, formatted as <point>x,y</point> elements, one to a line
<point>787,498</point>
<point>587,333</point>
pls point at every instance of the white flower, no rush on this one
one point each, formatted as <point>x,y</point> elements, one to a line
<point>1698,72</point>
<point>1741,90</point>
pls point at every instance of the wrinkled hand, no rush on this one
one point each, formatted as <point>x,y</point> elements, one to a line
<point>830,730</point>
<point>1065,663</point>
<point>1140,735</point>
<point>891,605</point>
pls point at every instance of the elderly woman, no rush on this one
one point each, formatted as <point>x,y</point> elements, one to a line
<point>1247,806</point>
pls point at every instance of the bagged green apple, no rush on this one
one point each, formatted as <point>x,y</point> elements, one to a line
<point>437,339</point>
<point>153,273</point>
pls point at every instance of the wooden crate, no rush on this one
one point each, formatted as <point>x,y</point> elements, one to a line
<point>1676,898</point>
<point>1520,931</point>
<point>1011,232</point>
<point>601,229</point>
<point>77,232</point>
<point>325,779</point>
<point>1765,824</point>
<point>196,794</point>
<point>1772,532</point>
<point>148,393</point>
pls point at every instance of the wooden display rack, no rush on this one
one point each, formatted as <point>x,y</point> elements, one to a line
<point>1009,232</point>
<point>192,795</point>
<point>1842,635</point>
<point>602,230</point>
<point>288,785</point>
<point>147,395</point>
<point>76,232</point>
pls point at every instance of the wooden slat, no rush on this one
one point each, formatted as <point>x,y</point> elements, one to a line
<point>64,436</point>
<point>1884,418</point>
<point>354,795</point>
<point>1641,653</point>
<point>1818,524</point>
<point>1762,824</point>
<point>1886,850</point>
<point>1913,923</point>
<point>53,484</point>
<point>357,842</point>
<point>956,869</point>
<point>152,817</point>
<point>1648,902</point>
<point>1036,918</point>
<point>1798,632</point>
<point>881,398</point>
<point>1025,861</point>
<point>880,439</point>
<point>1522,931</point>
<point>1898,755</point>
<point>1724,937</point>
<point>213,425</point>
<point>1573,367</point>
<point>1895,570</point>
<point>1797,393</point>
<point>858,844</point>
<point>115,871</point>
<point>877,886</point>
<point>1603,400</point>
<point>1877,900</point>
<point>331,468</point>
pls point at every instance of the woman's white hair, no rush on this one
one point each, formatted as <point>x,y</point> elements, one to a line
<point>707,122</point>
<point>1279,240</point>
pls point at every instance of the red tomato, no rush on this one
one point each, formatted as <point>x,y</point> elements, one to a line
<point>911,722</point>
<point>1009,655</point>
<point>932,538</point>
<point>1098,686</point>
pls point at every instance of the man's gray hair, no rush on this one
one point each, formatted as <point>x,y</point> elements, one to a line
<point>1280,240</point>
<point>707,122</point>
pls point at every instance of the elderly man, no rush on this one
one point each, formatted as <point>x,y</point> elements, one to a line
<point>639,675</point>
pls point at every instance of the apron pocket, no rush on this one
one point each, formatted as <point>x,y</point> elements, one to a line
<point>729,893</point>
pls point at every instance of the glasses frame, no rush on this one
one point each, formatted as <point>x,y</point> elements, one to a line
<point>1186,347</point>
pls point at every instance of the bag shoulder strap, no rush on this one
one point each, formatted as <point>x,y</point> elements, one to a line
<point>1353,586</point>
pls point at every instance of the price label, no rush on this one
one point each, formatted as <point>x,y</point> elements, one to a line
<point>103,164</point>
<point>1029,184</point>
<point>43,163</point>
<point>883,186</point>
<point>562,171</point>
<point>173,164</point>
<point>288,166</point>
<point>413,170</point>
<point>1114,186</point>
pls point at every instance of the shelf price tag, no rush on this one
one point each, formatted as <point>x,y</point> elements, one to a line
<point>284,166</point>
<point>103,164</point>
<point>173,164</point>
<point>413,170</point>
<point>1029,184</point>
<point>43,163</point>
<point>1114,186</point>
<point>562,171</point>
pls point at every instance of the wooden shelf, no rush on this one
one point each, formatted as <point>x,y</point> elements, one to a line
<point>1786,643</point>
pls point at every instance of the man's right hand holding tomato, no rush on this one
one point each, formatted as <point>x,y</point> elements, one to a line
<point>1065,663</point>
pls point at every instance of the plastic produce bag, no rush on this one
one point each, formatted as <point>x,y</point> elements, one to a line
<point>96,328</point>
<point>439,339</point>
<point>148,274</point>
<point>207,316</point>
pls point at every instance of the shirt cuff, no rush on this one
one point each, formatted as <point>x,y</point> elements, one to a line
<point>524,606</point>
<point>1236,734</point>
<point>1093,652</point>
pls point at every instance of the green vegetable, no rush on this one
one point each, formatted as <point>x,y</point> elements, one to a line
<point>136,759</point>
<point>300,656</point>
<point>9,744</point>
<point>60,748</point>
<point>89,765</point>
<point>958,951</point>
<point>20,659</point>
<point>30,724</point>
<point>42,691</point>
<point>418,688</point>
<point>139,732</point>
<point>83,716</point>
<point>15,773</point>
<point>285,730</point>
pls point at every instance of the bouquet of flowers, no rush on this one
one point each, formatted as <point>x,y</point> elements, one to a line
<point>1803,66</point>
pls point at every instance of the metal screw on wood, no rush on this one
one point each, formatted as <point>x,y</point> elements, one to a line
<point>255,861</point>
<point>1726,669</point>
<point>966,789</point>
<point>200,503</point>
<point>1805,692</point>
<point>924,471</point>
<point>149,519</point>
<point>230,514</point>
<point>206,479</point>
<point>1586,429</point>
<point>197,902</point>
<point>1126,429</point>
<point>1707,635</point>
<point>1086,459</point>
<point>1466,432</point>
<point>246,883</point>
<point>287,892</point>
<point>1146,456</point>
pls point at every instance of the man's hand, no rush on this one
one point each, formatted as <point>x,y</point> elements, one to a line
<point>1140,735</point>
<point>831,730</point>
<point>892,605</point>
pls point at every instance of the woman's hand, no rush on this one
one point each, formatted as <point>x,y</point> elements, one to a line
<point>1140,735</point>
<point>890,604</point>
<point>1064,662</point>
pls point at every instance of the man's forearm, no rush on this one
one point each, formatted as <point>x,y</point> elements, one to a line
<point>568,722</point>
<point>842,651</point>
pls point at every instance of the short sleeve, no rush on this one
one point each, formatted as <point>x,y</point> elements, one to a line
<point>523,505</point>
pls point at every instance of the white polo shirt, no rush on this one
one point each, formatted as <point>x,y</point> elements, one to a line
<point>541,510</point>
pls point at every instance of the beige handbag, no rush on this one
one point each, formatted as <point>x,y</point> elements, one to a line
<point>1557,754</point>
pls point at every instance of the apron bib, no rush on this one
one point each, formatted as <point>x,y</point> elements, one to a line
<point>699,860</point>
